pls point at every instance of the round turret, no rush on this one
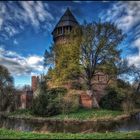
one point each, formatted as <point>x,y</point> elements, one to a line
<point>64,27</point>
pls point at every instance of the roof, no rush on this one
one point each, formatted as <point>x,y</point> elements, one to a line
<point>67,20</point>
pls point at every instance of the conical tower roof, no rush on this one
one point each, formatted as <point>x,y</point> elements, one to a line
<point>67,20</point>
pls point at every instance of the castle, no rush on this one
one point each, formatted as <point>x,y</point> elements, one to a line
<point>60,35</point>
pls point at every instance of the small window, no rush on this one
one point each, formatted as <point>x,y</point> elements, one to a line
<point>102,78</point>
<point>67,29</point>
<point>70,28</point>
<point>64,29</point>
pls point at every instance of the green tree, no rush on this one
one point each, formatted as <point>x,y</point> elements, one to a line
<point>6,90</point>
<point>99,45</point>
<point>49,56</point>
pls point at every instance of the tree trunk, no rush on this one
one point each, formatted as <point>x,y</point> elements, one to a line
<point>95,102</point>
<point>91,94</point>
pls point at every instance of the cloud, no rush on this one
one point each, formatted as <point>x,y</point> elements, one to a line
<point>34,59</point>
<point>15,42</point>
<point>126,15</point>
<point>19,65</point>
<point>14,16</point>
<point>76,1</point>
<point>135,59</point>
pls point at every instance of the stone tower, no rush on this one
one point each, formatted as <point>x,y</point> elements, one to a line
<point>35,80</point>
<point>64,27</point>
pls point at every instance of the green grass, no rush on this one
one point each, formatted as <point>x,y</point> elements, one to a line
<point>11,134</point>
<point>25,112</point>
<point>88,114</point>
<point>81,114</point>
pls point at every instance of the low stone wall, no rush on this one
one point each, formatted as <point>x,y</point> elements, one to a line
<point>52,125</point>
<point>86,101</point>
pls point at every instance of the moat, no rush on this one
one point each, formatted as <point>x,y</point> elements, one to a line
<point>131,123</point>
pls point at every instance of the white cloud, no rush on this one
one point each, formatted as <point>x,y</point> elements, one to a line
<point>19,65</point>
<point>76,1</point>
<point>34,60</point>
<point>126,15</point>
<point>134,59</point>
<point>35,12</point>
<point>14,16</point>
<point>1,22</point>
<point>15,42</point>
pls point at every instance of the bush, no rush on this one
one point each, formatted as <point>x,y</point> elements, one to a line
<point>136,98</point>
<point>112,100</point>
<point>70,102</point>
<point>128,106</point>
<point>48,103</point>
<point>7,96</point>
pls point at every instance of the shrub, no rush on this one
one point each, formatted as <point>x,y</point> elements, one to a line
<point>136,98</point>
<point>48,103</point>
<point>70,102</point>
<point>112,100</point>
<point>128,106</point>
<point>7,96</point>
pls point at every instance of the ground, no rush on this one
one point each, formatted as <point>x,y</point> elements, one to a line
<point>81,114</point>
<point>11,134</point>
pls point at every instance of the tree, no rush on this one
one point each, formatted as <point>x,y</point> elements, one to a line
<point>99,45</point>
<point>6,89</point>
<point>135,74</point>
<point>126,70</point>
<point>49,56</point>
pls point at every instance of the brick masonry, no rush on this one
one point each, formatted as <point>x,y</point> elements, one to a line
<point>26,99</point>
<point>26,96</point>
<point>35,80</point>
<point>86,101</point>
<point>99,85</point>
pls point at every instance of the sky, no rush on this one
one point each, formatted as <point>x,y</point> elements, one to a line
<point>26,26</point>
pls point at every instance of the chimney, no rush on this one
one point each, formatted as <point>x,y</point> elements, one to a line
<point>34,83</point>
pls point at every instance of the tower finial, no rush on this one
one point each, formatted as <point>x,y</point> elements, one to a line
<point>68,8</point>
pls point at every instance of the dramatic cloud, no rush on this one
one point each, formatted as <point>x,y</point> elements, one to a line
<point>19,65</point>
<point>14,16</point>
<point>126,16</point>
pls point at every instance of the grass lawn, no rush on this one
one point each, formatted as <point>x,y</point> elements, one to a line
<point>81,114</point>
<point>88,114</point>
<point>12,134</point>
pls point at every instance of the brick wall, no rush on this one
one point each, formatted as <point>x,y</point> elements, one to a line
<point>86,101</point>
<point>99,84</point>
<point>34,84</point>
<point>26,99</point>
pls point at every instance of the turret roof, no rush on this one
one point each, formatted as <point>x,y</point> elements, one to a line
<point>67,20</point>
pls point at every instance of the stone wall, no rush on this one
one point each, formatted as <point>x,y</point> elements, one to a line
<point>86,101</point>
